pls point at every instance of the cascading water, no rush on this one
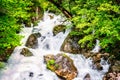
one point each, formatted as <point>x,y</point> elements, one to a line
<point>20,67</point>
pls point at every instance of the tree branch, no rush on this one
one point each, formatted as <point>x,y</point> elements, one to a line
<point>64,11</point>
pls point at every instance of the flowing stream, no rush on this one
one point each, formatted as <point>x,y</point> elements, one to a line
<point>20,67</point>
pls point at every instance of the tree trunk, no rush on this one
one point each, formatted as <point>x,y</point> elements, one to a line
<point>37,11</point>
<point>64,11</point>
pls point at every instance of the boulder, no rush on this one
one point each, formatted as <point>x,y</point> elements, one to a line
<point>58,28</point>
<point>97,59</point>
<point>62,65</point>
<point>71,45</point>
<point>26,52</point>
<point>114,72</point>
<point>36,32</point>
<point>32,41</point>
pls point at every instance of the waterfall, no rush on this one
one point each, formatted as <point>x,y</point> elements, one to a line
<point>20,67</point>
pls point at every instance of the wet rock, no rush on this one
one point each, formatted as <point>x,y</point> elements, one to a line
<point>26,52</point>
<point>31,74</point>
<point>112,76</point>
<point>37,35</point>
<point>71,45</point>
<point>62,65</point>
<point>116,66</point>
<point>98,66</point>
<point>35,31</point>
<point>51,16</point>
<point>48,57</point>
<point>58,28</point>
<point>114,72</point>
<point>87,54</point>
<point>97,59</point>
<point>87,77</point>
<point>32,41</point>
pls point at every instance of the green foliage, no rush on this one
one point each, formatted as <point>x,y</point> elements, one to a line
<point>51,62</point>
<point>12,14</point>
<point>97,20</point>
<point>94,19</point>
<point>2,65</point>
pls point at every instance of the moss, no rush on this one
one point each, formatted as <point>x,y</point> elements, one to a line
<point>59,28</point>
<point>2,65</point>
<point>52,65</point>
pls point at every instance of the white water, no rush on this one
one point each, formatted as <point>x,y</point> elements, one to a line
<point>20,67</point>
<point>97,48</point>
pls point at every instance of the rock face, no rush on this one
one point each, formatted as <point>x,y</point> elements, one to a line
<point>32,41</point>
<point>97,59</point>
<point>26,52</point>
<point>70,45</point>
<point>58,28</point>
<point>62,65</point>
<point>116,66</point>
<point>112,76</point>
<point>114,70</point>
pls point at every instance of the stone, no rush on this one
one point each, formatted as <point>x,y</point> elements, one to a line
<point>116,66</point>
<point>87,77</point>
<point>114,71</point>
<point>112,76</point>
<point>32,41</point>
<point>97,59</point>
<point>48,57</point>
<point>26,52</point>
<point>87,55</point>
<point>98,66</point>
<point>71,45</point>
<point>5,55</point>
<point>62,65</point>
<point>58,28</point>
<point>35,31</point>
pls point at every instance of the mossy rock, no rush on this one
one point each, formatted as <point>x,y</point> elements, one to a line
<point>52,65</point>
<point>59,28</point>
<point>62,65</point>
<point>71,45</point>
<point>26,52</point>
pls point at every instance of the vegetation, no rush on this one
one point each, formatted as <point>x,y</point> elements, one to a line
<point>52,65</point>
<point>12,14</point>
<point>92,19</point>
<point>2,65</point>
<point>97,20</point>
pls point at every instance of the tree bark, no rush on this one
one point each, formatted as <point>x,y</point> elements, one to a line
<point>37,12</point>
<point>63,10</point>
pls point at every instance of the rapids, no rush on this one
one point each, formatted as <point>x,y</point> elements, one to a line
<point>20,67</point>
